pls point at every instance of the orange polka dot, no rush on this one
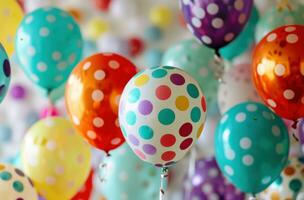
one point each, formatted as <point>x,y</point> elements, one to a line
<point>141,80</point>
<point>2,167</point>
<point>200,131</point>
<point>289,171</point>
<point>275,196</point>
<point>182,103</point>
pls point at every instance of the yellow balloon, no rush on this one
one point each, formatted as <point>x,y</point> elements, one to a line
<point>161,16</point>
<point>56,158</point>
<point>96,27</point>
<point>10,18</point>
<point>15,185</point>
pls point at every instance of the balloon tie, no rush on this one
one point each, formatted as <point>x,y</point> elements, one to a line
<point>294,126</point>
<point>282,4</point>
<point>163,182</point>
<point>103,169</point>
<point>218,66</point>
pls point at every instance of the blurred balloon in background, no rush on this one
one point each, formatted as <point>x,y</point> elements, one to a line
<point>18,92</point>
<point>197,60</point>
<point>263,6</point>
<point>207,182</point>
<point>236,87</point>
<point>5,73</point>
<point>31,5</point>
<point>102,5</point>
<point>96,27</point>
<point>251,146</point>
<point>161,16</point>
<point>289,184</point>
<point>15,185</point>
<point>153,33</point>
<point>128,177</point>
<point>56,158</point>
<point>153,57</point>
<point>46,54</point>
<point>110,42</point>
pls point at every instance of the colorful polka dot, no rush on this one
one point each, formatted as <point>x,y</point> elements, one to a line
<point>133,140</point>
<point>186,144</point>
<point>159,73</point>
<point>204,104</point>
<point>177,79</point>
<point>166,116</point>
<point>131,118</point>
<point>168,155</point>
<point>18,186</point>
<point>141,80</point>
<point>182,103</point>
<point>140,154</point>
<point>5,176</point>
<point>134,95</point>
<point>168,140</point>
<point>163,92</point>
<point>195,114</point>
<point>146,132</point>
<point>199,131</point>
<point>145,107</point>
<point>192,90</point>
<point>149,149</point>
<point>185,130</point>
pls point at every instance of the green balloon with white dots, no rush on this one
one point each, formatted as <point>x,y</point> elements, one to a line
<point>252,146</point>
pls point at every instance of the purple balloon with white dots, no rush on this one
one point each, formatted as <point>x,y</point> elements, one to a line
<point>208,183</point>
<point>216,22</point>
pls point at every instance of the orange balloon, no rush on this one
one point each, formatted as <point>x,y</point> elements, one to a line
<point>278,71</point>
<point>92,97</point>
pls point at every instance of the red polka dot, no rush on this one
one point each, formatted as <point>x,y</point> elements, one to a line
<point>185,130</point>
<point>203,102</point>
<point>168,140</point>
<point>186,143</point>
<point>140,154</point>
<point>168,155</point>
<point>163,92</point>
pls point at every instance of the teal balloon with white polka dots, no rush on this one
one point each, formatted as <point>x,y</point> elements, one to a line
<point>48,46</point>
<point>252,146</point>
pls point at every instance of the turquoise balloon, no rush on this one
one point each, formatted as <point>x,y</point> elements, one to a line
<point>251,146</point>
<point>274,18</point>
<point>243,41</point>
<point>127,177</point>
<point>48,45</point>
<point>5,73</point>
<point>195,59</point>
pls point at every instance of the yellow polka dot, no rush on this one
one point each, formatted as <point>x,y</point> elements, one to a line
<point>2,167</point>
<point>275,196</point>
<point>182,103</point>
<point>161,16</point>
<point>141,80</point>
<point>200,131</point>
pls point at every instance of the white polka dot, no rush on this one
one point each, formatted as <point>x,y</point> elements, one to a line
<point>276,131</point>
<point>272,37</point>
<point>56,55</point>
<point>29,19</point>
<point>279,149</point>
<point>213,196</point>
<point>123,176</point>
<point>240,117</point>
<point>251,107</point>
<point>115,141</point>
<point>228,37</point>
<point>207,188</point>
<point>271,103</point>
<point>186,2</point>
<point>226,134</point>
<point>190,28</point>
<point>261,69</point>
<point>206,39</point>
<point>212,9</point>
<point>292,38</point>
<point>117,123</point>
<point>62,65</point>
<point>114,64</point>
<point>97,95</point>
<point>248,160</point>
<point>98,122</point>
<point>279,70</point>
<point>229,153</point>
<point>31,50</point>
<point>224,118</point>
<point>217,23</point>
<point>196,22</point>
<point>229,170</point>
<point>213,172</point>
<point>50,180</point>
<point>288,94</point>
<point>245,143</point>
<point>86,65</point>
<point>51,145</point>
<point>51,18</point>
<point>199,12</point>
<point>267,115</point>
<point>239,5</point>
<point>290,29</point>
<point>72,58</point>
<point>242,18</point>
<point>99,75</point>
<point>70,27</point>
<point>41,66</point>
<point>58,78</point>
<point>75,120</point>
<point>91,135</point>
<point>44,32</point>
<point>59,170</point>
<point>266,180</point>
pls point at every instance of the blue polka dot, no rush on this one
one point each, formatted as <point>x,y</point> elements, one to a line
<point>131,118</point>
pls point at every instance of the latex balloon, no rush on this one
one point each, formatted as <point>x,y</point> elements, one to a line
<point>153,57</point>
<point>15,185</point>
<point>278,72</point>
<point>86,190</point>
<point>161,16</point>
<point>300,129</point>
<point>48,46</point>
<point>207,183</point>
<point>197,60</point>
<point>290,184</point>
<point>136,46</point>
<point>102,5</point>
<point>56,158</point>
<point>236,87</point>
<point>216,22</point>
<point>5,73</point>
<point>92,97</point>
<point>162,113</point>
<point>275,18</point>
<point>10,16</point>
<point>244,41</point>
<point>123,168</point>
<point>251,146</point>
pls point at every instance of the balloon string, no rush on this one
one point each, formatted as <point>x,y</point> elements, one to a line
<point>103,168</point>
<point>294,126</point>
<point>191,172</point>
<point>163,182</point>
<point>50,102</point>
<point>218,66</point>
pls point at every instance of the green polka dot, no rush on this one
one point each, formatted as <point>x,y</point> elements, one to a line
<point>295,185</point>
<point>279,180</point>
<point>159,73</point>
<point>131,118</point>
<point>146,132</point>
<point>18,186</point>
<point>5,176</point>
<point>195,114</point>
<point>168,67</point>
<point>166,116</point>
<point>192,90</point>
<point>134,95</point>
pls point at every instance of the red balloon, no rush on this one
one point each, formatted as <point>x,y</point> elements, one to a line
<point>86,191</point>
<point>136,45</point>
<point>278,71</point>
<point>103,5</point>
<point>92,96</point>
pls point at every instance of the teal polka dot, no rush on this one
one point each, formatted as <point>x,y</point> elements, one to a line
<point>168,67</point>
<point>192,90</point>
<point>166,116</point>
<point>134,95</point>
<point>195,114</point>
<point>146,132</point>
<point>5,176</point>
<point>295,185</point>
<point>159,73</point>
<point>18,186</point>
<point>279,180</point>
<point>131,118</point>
